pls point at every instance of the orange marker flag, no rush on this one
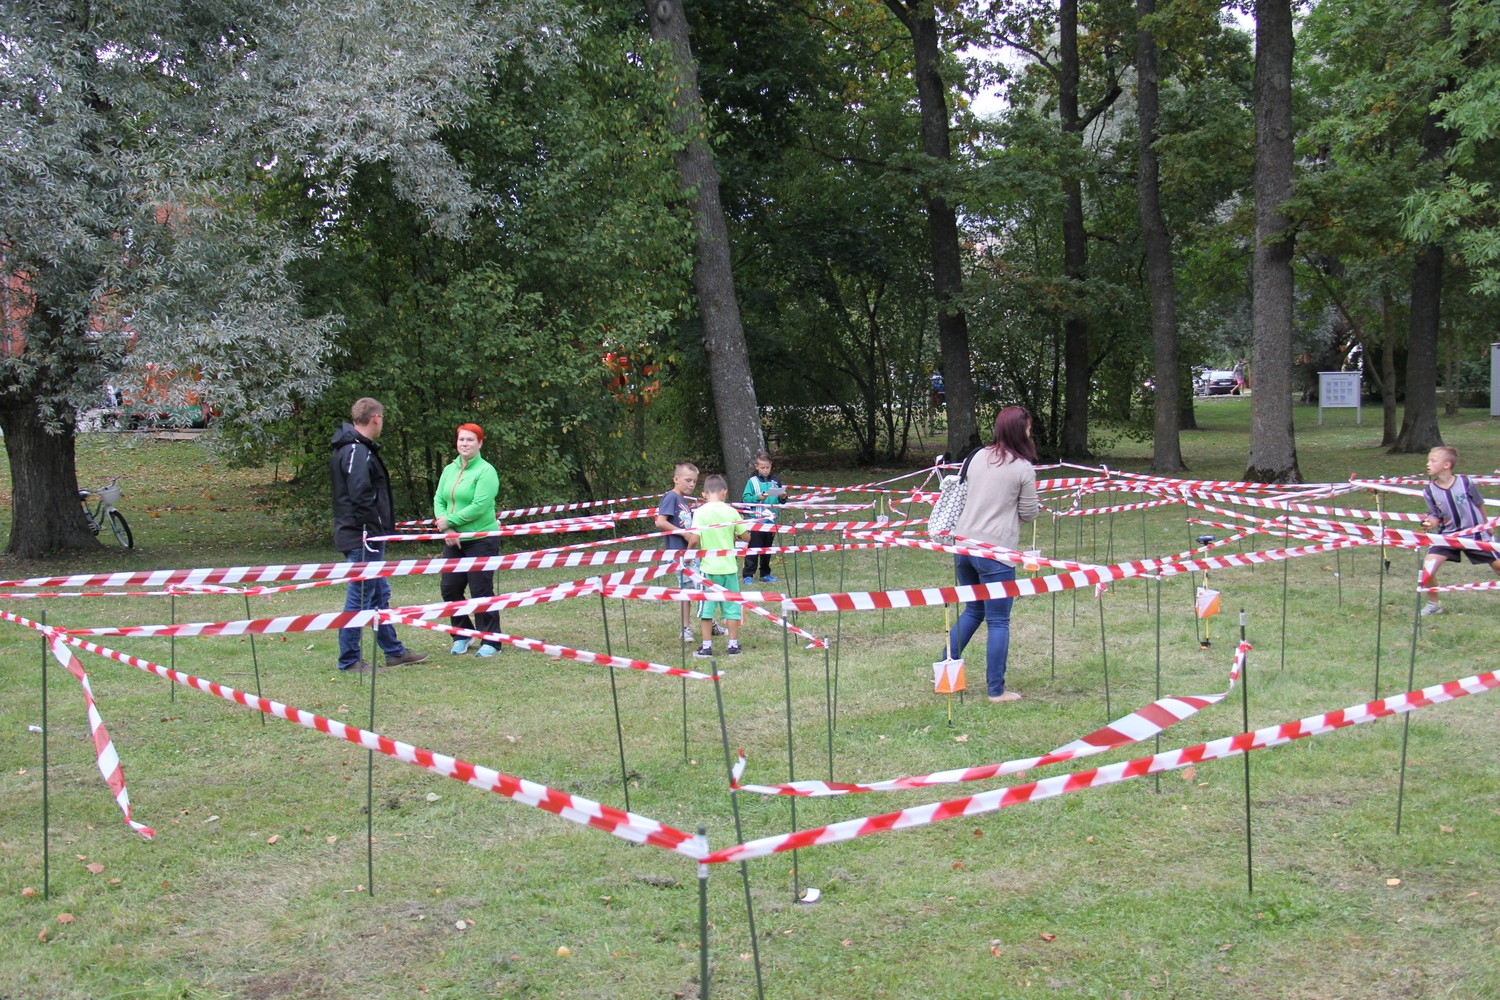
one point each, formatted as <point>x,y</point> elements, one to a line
<point>948,676</point>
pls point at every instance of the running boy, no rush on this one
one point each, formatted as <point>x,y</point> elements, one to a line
<point>718,526</point>
<point>675,514</point>
<point>763,490</point>
<point>1453,505</point>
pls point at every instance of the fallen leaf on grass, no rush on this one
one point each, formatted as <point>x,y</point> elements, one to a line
<point>114,881</point>
<point>1225,947</point>
<point>41,935</point>
<point>81,857</point>
<point>65,918</point>
<point>978,832</point>
<point>433,796</point>
<point>1088,840</point>
<point>995,950</point>
<point>94,869</point>
<point>212,819</point>
<point>958,866</point>
<point>563,951</point>
<point>1223,968</point>
<point>961,738</point>
<point>273,838</point>
<point>1189,773</point>
<point>1393,881</point>
<point>1445,829</point>
<point>29,892</point>
<point>330,840</point>
<point>845,943</point>
<point>1049,938</point>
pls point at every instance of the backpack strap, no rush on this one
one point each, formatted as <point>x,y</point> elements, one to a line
<point>963,471</point>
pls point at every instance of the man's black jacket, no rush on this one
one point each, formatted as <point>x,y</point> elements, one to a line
<point>361,489</point>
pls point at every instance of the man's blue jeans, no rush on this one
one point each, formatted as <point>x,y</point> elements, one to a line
<point>367,595</point>
<point>995,613</point>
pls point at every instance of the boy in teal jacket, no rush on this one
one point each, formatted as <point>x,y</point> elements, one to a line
<point>465,501</point>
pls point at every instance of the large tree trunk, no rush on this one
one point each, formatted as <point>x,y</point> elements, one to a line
<point>1187,418</point>
<point>1077,372</point>
<point>1273,448</point>
<point>740,433</point>
<point>1166,448</point>
<point>1419,425</point>
<point>920,21</point>
<point>45,514</point>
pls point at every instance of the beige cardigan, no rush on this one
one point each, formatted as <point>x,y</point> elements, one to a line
<point>1000,498</point>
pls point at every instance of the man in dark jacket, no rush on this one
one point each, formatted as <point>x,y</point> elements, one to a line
<point>362,509</point>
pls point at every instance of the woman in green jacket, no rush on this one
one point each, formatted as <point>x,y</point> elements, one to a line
<point>465,501</point>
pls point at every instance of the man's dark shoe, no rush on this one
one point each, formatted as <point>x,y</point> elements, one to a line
<point>359,667</point>
<point>410,656</point>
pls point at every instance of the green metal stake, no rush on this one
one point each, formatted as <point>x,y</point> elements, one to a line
<point>1109,714</point>
<point>370,765</point>
<point>1054,603</point>
<point>1157,776</point>
<point>614,695</point>
<point>172,652</point>
<point>1286,567</point>
<point>838,636</point>
<point>254,661</point>
<point>703,918</point>
<point>739,832</point>
<point>791,767</point>
<point>828,705</point>
<point>1245,721</point>
<point>46,799</point>
<point>1411,679</point>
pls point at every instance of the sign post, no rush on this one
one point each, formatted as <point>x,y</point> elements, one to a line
<point>1340,389</point>
<point>1495,380</point>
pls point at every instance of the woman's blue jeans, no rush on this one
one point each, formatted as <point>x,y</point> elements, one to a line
<point>995,613</point>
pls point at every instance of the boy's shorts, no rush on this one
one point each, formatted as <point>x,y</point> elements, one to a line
<point>1452,555</point>
<point>733,612</point>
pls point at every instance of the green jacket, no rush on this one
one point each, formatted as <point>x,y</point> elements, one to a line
<point>466,495</point>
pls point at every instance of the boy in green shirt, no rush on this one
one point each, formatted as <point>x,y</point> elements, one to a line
<point>717,525</point>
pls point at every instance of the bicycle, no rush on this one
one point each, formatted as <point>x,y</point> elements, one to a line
<point>104,513</point>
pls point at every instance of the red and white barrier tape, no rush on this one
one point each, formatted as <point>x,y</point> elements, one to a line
<point>617,822</point>
<point>711,587</point>
<point>1136,727</point>
<point>104,747</point>
<point>1036,791</point>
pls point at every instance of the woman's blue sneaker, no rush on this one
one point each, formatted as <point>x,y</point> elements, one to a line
<point>460,647</point>
<point>768,578</point>
<point>487,650</point>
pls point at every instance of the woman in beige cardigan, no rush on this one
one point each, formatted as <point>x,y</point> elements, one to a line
<point>1002,494</point>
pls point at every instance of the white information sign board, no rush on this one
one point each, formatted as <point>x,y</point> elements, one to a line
<point>1339,389</point>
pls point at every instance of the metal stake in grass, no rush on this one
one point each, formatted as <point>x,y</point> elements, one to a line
<point>254,660</point>
<point>1206,641</point>
<point>739,831</point>
<point>1157,776</point>
<point>615,698</point>
<point>1104,652</point>
<point>1245,721</point>
<point>1380,592</point>
<point>791,767</point>
<point>838,636</point>
<point>1286,567</point>
<point>1338,572</point>
<point>828,706</point>
<point>1054,605</point>
<point>172,651</point>
<point>1411,679</point>
<point>370,764</point>
<point>703,917</point>
<point>46,800</point>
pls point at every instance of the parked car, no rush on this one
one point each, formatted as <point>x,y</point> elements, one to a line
<point>1215,382</point>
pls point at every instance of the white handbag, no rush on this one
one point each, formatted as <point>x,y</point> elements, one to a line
<point>950,503</point>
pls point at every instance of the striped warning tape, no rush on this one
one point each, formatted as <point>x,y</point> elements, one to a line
<point>617,822</point>
<point>1136,727</point>
<point>1037,791</point>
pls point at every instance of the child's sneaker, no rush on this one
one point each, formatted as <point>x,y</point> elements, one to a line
<point>748,581</point>
<point>704,652</point>
<point>687,634</point>
<point>1433,609</point>
<point>768,578</point>
<point>460,647</point>
<point>734,649</point>
<point>719,629</point>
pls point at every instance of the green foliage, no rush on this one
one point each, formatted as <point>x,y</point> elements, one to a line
<point>576,251</point>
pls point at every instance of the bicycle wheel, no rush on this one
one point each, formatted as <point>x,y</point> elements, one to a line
<point>118,525</point>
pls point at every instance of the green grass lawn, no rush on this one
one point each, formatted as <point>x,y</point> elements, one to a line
<point>255,884</point>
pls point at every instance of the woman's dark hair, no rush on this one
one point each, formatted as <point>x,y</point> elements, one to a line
<point>1012,438</point>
